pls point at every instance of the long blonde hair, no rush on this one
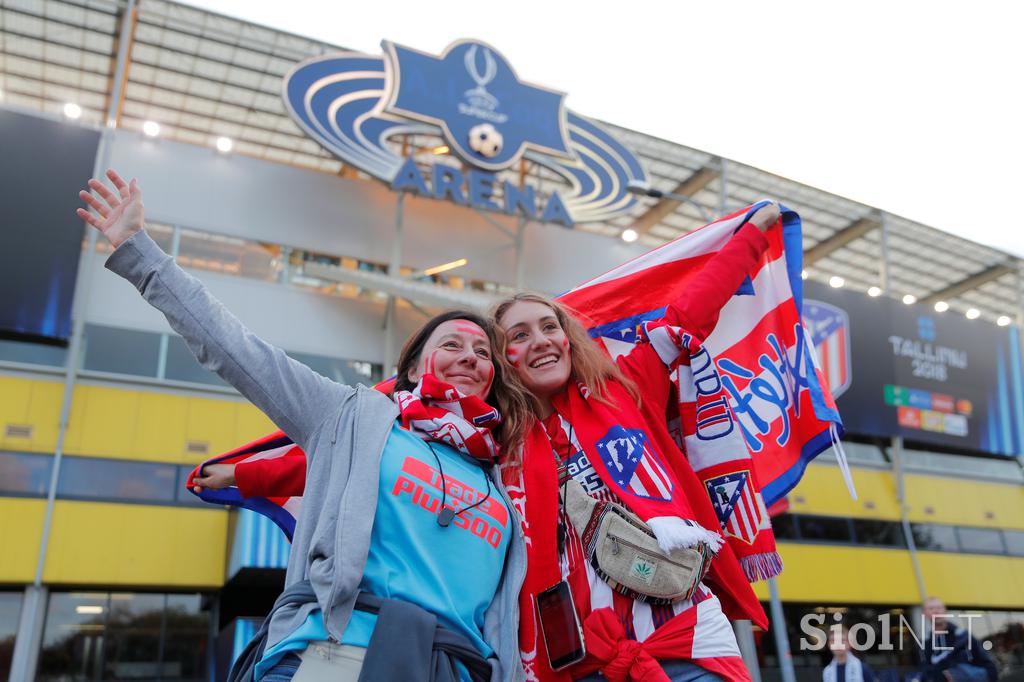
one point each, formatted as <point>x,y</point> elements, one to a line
<point>590,365</point>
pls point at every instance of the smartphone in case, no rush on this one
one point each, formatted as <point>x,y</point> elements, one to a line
<point>560,626</point>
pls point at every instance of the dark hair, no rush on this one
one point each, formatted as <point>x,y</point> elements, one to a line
<point>507,393</point>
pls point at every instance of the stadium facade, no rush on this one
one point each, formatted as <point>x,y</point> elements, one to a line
<point>122,574</point>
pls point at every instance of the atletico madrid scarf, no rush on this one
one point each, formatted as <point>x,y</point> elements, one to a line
<point>435,410</point>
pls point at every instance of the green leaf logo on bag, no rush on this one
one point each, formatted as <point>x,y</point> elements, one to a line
<point>642,568</point>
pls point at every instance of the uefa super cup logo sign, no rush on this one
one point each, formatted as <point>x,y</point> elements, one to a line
<point>481,103</point>
<point>365,108</point>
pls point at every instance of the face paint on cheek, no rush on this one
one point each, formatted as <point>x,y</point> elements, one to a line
<point>429,364</point>
<point>512,355</point>
<point>490,380</point>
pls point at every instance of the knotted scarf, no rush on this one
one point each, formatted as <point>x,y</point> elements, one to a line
<point>435,410</point>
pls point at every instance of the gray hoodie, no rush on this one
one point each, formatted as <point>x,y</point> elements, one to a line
<point>342,429</point>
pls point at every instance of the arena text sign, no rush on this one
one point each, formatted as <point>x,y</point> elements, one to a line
<point>364,109</point>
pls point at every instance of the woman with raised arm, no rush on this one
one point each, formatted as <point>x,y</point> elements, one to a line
<point>404,483</point>
<point>600,444</point>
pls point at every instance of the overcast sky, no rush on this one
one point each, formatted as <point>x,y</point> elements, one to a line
<point>914,107</point>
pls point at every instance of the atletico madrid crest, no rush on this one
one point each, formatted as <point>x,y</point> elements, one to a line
<point>740,510</point>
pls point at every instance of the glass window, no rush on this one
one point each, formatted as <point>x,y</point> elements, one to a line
<point>73,636</point>
<point>132,642</point>
<point>32,353</point>
<point>229,255</point>
<point>92,478</point>
<point>187,632</point>
<point>10,612</point>
<point>983,540</point>
<point>183,366</point>
<point>343,371</point>
<point>935,537</point>
<point>24,474</point>
<point>824,528</point>
<point>973,465</point>
<point>182,494</point>
<point>1014,542</point>
<point>856,453</point>
<point>784,527</point>
<point>874,532</point>
<point>163,235</point>
<point>123,351</point>
<point>94,636</point>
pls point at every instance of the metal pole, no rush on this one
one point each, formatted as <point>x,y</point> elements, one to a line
<point>748,649</point>
<point>901,497</point>
<point>781,633</point>
<point>30,627</point>
<point>394,267</point>
<point>520,261</point>
<point>884,280</point>
<point>723,187</point>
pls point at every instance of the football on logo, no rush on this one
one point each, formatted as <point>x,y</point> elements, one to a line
<point>485,140</point>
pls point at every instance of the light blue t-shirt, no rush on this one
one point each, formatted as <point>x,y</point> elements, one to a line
<point>452,572</point>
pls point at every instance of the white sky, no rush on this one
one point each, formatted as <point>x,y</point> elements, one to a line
<point>914,107</point>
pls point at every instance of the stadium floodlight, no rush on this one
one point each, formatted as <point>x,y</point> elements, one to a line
<point>972,314</point>
<point>874,292</point>
<point>643,188</point>
<point>1003,320</point>
<point>151,128</point>
<point>629,235</point>
<point>803,274</point>
<point>224,144</point>
<point>72,110</point>
<point>910,299</point>
<point>836,282</point>
<point>941,306</point>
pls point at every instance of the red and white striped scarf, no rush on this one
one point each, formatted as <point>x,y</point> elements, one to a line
<point>435,410</point>
<point>713,442</point>
<point>699,630</point>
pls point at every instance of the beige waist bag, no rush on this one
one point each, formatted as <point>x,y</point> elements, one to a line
<point>624,551</point>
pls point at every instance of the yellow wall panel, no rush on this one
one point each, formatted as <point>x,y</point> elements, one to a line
<point>104,422</point>
<point>21,525</point>
<point>974,580</point>
<point>44,414</point>
<point>822,491</point>
<point>938,499</point>
<point>161,431</point>
<point>828,574</point>
<point>212,422</point>
<point>30,402</point>
<point>117,544</point>
<point>251,423</point>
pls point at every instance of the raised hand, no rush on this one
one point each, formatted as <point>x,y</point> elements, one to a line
<point>766,216</point>
<point>120,215</point>
<point>215,477</point>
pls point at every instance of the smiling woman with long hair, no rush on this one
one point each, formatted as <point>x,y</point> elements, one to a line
<point>405,482</point>
<point>605,423</point>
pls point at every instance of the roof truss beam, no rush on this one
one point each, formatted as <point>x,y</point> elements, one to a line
<point>666,205</point>
<point>978,279</point>
<point>839,239</point>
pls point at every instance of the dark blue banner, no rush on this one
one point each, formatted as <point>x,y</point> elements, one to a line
<point>907,370</point>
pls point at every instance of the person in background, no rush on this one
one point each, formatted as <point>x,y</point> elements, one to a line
<point>951,653</point>
<point>845,667</point>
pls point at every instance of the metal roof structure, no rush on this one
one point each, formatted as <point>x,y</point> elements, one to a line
<point>201,75</point>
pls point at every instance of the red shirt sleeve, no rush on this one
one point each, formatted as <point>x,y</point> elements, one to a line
<point>697,309</point>
<point>280,477</point>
